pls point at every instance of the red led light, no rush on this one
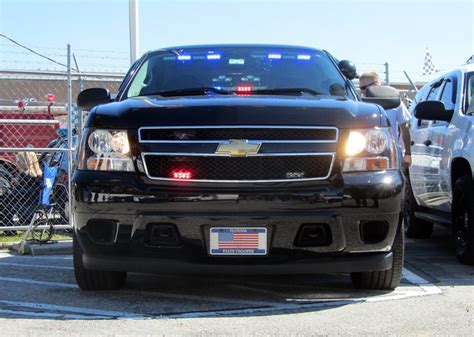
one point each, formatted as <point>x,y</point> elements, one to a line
<point>181,174</point>
<point>244,88</point>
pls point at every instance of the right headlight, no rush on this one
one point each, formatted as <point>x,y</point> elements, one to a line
<point>105,150</point>
<point>370,150</point>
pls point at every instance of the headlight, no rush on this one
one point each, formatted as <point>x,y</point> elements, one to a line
<point>355,143</point>
<point>105,150</point>
<point>370,150</point>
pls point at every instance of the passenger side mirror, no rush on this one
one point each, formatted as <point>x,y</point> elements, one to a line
<point>89,98</point>
<point>348,69</point>
<point>434,111</point>
<point>385,96</point>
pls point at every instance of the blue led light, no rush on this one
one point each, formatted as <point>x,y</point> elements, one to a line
<point>213,57</point>
<point>304,57</point>
<point>184,57</point>
<point>274,56</point>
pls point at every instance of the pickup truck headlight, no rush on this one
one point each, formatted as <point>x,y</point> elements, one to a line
<point>105,150</point>
<point>370,150</point>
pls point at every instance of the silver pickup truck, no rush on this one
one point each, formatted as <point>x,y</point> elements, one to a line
<point>441,188</point>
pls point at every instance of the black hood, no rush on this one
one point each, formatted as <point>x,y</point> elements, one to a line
<point>236,110</point>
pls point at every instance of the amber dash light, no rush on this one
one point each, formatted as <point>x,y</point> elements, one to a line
<point>181,174</point>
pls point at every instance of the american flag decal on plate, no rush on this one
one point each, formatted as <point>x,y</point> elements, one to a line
<point>238,241</point>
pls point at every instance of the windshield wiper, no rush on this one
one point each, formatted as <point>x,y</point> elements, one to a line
<point>192,91</point>
<point>285,91</point>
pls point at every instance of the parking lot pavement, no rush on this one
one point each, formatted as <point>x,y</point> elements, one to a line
<point>434,285</point>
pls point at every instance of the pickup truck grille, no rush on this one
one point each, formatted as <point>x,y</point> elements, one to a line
<point>238,153</point>
<point>239,169</point>
<point>221,133</point>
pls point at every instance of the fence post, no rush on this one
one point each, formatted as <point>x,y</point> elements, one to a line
<point>387,79</point>
<point>69,132</point>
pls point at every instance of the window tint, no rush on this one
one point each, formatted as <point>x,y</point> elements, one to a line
<point>434,91</point>
<point>448,97</point>
<point>238,68</point>
<point>420,97</point>
<point>469,93</point>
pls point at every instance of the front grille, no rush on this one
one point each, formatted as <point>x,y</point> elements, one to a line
<point>241,168</point>
<point>207,134</point>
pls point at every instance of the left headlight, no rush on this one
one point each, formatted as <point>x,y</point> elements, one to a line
<point>105,150</point>
<point>370,150</point>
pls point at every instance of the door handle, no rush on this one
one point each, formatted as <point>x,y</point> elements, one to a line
<point>428,142</point>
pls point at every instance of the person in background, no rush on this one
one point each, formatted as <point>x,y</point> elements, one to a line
<point>28,164</point>
<point>399,117</point>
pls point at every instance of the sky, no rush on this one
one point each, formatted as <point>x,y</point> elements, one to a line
<point>369,32</point>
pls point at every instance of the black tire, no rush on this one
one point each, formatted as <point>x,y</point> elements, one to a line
<point>94,279</point>
<point>414,228</point>
<point>463,219</point>
<point>385,279</point>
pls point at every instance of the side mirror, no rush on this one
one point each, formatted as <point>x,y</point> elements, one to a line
<point>348,69</point>
<point>386,97</point>
<point>433,110</point>
<point>89,98</point>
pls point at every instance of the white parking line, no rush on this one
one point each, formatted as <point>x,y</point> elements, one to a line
<point>40,283</point>
<point>49,315</point>
<point>424,288</point>
<point>10,264</point>
<point>428,287</point>
<point>36,257</point>
<point>78,310</point>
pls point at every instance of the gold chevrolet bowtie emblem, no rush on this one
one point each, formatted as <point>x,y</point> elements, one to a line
<point>238,148</point>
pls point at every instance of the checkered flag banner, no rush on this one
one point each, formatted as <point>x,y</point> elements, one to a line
<point>428,67</point>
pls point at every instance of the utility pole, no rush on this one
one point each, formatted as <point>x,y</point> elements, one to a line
<point>133,22</point>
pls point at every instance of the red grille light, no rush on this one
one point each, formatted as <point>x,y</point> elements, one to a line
<point>181,174</point>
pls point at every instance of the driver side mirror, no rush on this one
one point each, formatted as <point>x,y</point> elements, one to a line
<point>434,111</point>
<point>89,98</point>
<point>348,69</point>
<point>385,96</point>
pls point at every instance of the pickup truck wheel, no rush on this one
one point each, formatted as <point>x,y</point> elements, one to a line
<point>463,219</point>
<point>414,228</point>
<point>385,279</point>
<point>94,279</point>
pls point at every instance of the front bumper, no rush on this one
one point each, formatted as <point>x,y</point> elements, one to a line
<point>132,203</point>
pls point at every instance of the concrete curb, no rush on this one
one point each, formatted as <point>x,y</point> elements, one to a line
<point>63,247</point>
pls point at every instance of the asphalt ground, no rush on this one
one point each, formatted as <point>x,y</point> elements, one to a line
<point>39,296</point>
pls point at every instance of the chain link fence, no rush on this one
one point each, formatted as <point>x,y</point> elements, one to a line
<point>36,148</point>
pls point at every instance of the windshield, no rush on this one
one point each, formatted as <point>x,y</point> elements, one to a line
<point>238,69</point>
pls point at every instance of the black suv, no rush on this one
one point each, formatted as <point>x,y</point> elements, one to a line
<point>237,159</point>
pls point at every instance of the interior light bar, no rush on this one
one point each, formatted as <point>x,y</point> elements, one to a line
<point>184,57</point>
<point>213,57</point>
<point>304,57</point>
<point>244,88</point>
<point>274,56</point>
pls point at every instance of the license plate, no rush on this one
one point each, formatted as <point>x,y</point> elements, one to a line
<point>238,241</point>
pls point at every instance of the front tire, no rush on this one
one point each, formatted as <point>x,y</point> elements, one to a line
<point>385,279</point>
<point>94,279</point>
<point>463,219</point>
